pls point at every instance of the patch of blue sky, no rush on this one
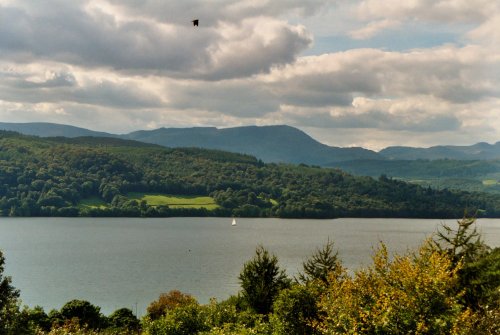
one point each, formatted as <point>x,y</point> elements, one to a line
<point>397,39</point>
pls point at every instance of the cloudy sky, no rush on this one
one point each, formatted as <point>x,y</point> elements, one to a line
<point>369,73</point>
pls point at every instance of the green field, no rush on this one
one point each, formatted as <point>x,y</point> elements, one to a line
<point>490,182</point>
<point>93,202</point>
<point>175,201</point>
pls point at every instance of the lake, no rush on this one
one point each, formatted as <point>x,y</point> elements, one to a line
<point>128,262</point>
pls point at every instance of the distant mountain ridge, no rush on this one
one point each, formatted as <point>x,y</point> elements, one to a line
<point>268,143</point>
<point>279,143</point>
<point>45,129</point>
<point>481,151</point>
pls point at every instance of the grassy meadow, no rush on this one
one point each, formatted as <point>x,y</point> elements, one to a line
<point>172,201</point>
<point>175,201</point>
<point>93,202</point>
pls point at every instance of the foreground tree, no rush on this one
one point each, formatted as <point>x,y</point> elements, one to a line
<point>463,244</point>
<point>320,264</point>
<point>295,311</point>
<point>169,301</point>
<point>184,319</point>
<point>411,294</point>
<point>8,301</point>
<point>261,280</point>
<point>87,314</point>
<point>124,318</point>
<point>479,273</point>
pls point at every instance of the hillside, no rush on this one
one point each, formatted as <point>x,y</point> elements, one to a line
<point>479,151</point>
<point>443,168</point>
<point>268,143</point>
<point>114,177</point>
<point>44,129</point>
<point>469,175</point>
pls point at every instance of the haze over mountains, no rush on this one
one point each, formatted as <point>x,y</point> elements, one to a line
<point>268,143</point>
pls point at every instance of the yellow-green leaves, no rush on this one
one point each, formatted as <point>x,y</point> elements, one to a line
<point>414,293</point>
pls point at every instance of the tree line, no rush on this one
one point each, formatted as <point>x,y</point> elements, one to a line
<point>51,176</point>
<point>450,285</point>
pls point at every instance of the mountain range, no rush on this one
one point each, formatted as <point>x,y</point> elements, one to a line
<point>269,143</point>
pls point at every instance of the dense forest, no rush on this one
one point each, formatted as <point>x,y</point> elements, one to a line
<point>467,175</point>
<point>53,176</point>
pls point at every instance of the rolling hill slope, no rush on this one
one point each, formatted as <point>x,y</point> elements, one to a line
<point>44,129</point>
<point>87,176</point>
<point>268,143</point>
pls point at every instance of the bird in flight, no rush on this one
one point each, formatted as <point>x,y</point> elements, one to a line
<point>195,22</point>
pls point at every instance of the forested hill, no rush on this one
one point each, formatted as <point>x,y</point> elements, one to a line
<point>46,129</point>
<point>112,177</point>
<point>478,151</point>
<point>268,143</point>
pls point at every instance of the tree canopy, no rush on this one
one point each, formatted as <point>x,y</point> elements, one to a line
<point>54,177</point>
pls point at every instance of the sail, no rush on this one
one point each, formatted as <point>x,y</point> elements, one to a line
<point>234,222</point>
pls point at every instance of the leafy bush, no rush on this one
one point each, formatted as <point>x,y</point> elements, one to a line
<point>295,311</point>
<point>123,318</point>
<point>182,320</point>
<point>412,294</point>
<point>84,312</point>
<point>169,301</point>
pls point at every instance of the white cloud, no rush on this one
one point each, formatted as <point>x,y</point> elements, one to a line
<point>372,29</point>
<point>141,64</point>
<point>90,34</point>
<point>488,34</point>
<point>451,11</point>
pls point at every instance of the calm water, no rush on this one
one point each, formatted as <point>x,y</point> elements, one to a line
<point>118,262</point>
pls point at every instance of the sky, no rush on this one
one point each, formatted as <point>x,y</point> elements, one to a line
<point>370,73</point>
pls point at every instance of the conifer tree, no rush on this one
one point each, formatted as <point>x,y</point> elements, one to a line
<point>320,264</point>
<point>261,280</point>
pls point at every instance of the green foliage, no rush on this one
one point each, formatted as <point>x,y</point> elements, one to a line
<point>422,168</point>
<point>481,280</point>
<point>259,328</point>
<point>175,201</point>
<point>169,301</point>
<point>320,265</point>
<point>123,318</point>
<point>87,314</point>
<point>181,320</point>
<point>74,328</point>
<point>36,318</point>
<point>479,272</point>
<point>9,309</point>
<point>295,311</point>
<point>465,175</point>
<point>464,244</point>
<point>412,294</point>
<point>91,177</point>
<point>483,322</point>
<point>8,294</point>
<point>261,281</point>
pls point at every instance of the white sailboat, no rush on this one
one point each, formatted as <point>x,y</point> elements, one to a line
<point>234,222</point>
